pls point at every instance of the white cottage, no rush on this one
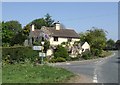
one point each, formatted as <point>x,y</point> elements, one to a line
<point>56,35</point>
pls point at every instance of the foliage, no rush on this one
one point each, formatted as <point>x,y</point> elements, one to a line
<point>117,44</point>
<point>46,45</point>
<point>18,54</point>
<point>26,29</point>
<point>74,58</point>
<point>96,38</point>
<point>106,53</point>
<point>19,38</point>
<point>38,23</point>
<point>110,44</point>
<point>0,34</point>
<point>9,30</point>
<point>27,73</point>
<point>59,59</point>
<point>61,52</point>
<point>13,25</point>
<point>86,55</point>
<point>6,34</point>
<point>46,21</point>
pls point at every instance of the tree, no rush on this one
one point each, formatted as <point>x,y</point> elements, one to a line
<point>26,29</point>
<point>39,23</point>
<point>6,34</point>
<point>9,30</point>
<point>110,44</point>
<point>117,44</point>
<point>19,38</point>
<point>96,38</point>
<point>48,20</point>
<point>13,25</point>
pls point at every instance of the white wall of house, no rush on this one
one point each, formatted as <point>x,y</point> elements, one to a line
<point>73,40</point>
<point>85,46</point>
<point>60,40</point>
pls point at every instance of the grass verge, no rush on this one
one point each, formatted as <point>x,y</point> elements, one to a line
<point>27,73</point>
<point>106,53</point>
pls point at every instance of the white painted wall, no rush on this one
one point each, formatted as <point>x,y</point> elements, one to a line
<point>60,40</point>
<point>85,46</point>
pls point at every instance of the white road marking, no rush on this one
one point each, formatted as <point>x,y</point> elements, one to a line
<point>95,80</point>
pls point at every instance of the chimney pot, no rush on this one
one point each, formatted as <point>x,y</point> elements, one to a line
<point>57,25</point>
<point>33,27</point>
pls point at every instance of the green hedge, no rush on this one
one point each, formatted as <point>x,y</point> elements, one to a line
<point>18,54</point>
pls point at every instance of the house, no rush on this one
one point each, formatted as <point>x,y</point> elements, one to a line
<point>56,35</point>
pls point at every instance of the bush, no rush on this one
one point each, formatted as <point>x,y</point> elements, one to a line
<point>96,52</point>
<point>18,54</point>
<point>61,52</point>
<point>86,55</point>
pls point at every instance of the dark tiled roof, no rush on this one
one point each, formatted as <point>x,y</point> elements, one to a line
<point>69,33</point>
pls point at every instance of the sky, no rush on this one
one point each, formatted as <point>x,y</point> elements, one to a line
<point>80,16</point>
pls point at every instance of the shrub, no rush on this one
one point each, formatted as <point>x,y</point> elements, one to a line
<point>86,55</point>
<point>61,52</point>
<point>96,52</point>
<point>18,54</point>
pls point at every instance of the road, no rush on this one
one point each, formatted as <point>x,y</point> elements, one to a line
<point>103,70</point>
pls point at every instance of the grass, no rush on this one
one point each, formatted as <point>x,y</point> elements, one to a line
<point>27,73</point>
<point>106,53</point>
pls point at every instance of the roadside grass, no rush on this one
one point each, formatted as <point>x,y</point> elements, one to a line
<point>106,53</point>
<point>27,73</point>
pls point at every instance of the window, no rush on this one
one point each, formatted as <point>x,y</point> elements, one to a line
<point>69,39</point>
<point>55,38</point>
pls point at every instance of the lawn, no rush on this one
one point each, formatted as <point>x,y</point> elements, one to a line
<point>27,73</point>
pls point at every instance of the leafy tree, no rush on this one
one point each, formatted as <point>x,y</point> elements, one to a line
<point>110,44</point>
<point>19,38</point>
<point>46,21</point>
<point>9,30</point>
<point>39,23</point>
<point>13,25</point>
<point>96,38</point>
<point>117,44</point>
<point>6,34</point>
<point>26,29</point>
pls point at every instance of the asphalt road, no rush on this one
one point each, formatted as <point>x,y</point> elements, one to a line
<point>104,70</point>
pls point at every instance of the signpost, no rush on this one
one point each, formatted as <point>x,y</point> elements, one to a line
<point>37,47</point>
<point>41,54</point>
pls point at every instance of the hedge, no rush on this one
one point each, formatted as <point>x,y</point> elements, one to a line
<point>18,54</point>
